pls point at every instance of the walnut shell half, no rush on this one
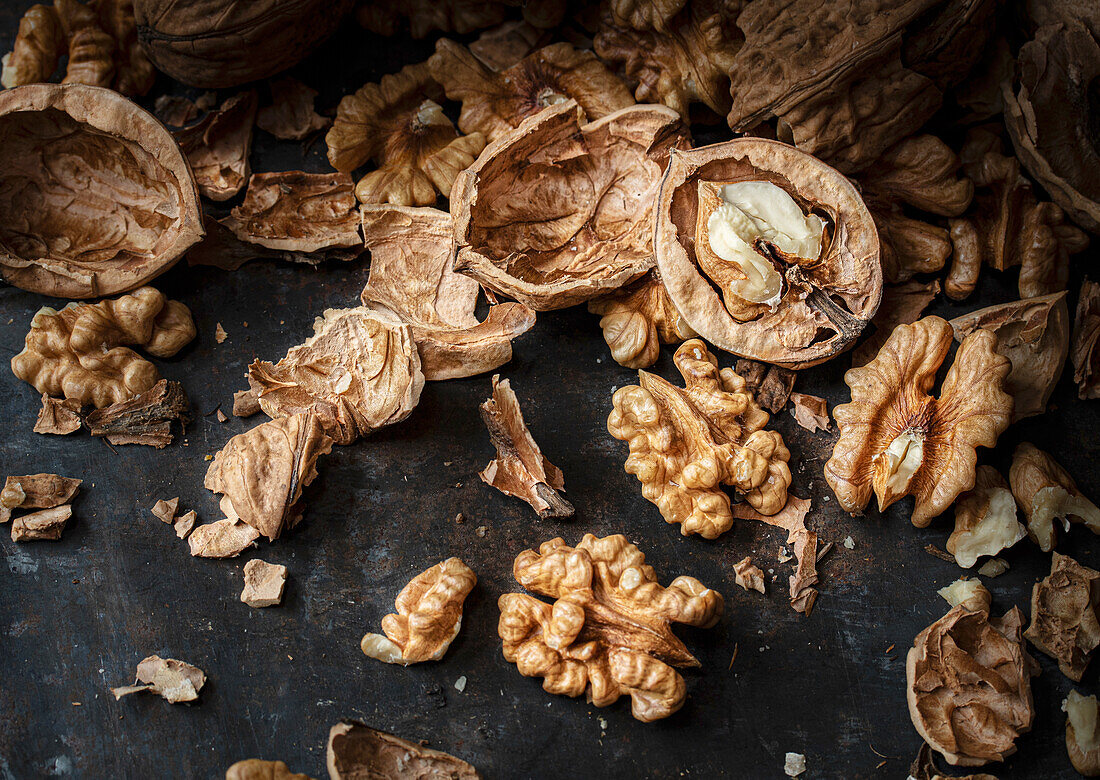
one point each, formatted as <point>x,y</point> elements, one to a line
<point>96,198</point>
<point>791,303</point>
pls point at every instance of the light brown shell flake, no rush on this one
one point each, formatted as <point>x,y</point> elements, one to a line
<point>428,618</point>
<point>221,539</point>
<point>897,440</point>
<point>175,681</point>
<point>803,541</point>
<point>291,115</point>
<point>45,525</point>
<point>637,319</point>
<point>1086,335</point>
<point>121,209</point>
<point>1064,622</point>
<point>58,416</point>
<point>1045,491</point>
<point>217,147</point>
<point>608,633</point>
<point>748,575</point>
<point>356,751</point>
<point>263,583</point>
<point>557,212</point>
<point>358,372</point>
<point>411,276</point>
<point>685,443</point>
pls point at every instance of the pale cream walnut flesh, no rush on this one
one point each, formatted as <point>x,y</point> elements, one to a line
<point>971,594</point>
<point>985,519</point>
<point>608,632</point>
<point>263,583</point>
<point>1045,492</point>
<point>175,681</point>
<point>428,618</point>
<point>1082,733</point>
<point>1064,622</point>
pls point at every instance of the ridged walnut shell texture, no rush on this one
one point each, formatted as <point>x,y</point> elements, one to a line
<point>222,43</point>
<point>95,198</point>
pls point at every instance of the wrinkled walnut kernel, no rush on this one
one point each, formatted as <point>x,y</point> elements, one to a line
<point>638,319</point>
<point>1064,622</point>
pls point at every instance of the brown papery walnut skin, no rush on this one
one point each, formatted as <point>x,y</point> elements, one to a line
<point>217,148</point>
<point>1086,335</point>
<point>825,304</point>
<point>137,199</point>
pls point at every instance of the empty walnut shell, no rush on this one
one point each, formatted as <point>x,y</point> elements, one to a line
<point>95,196</point>
<point>816,306</point>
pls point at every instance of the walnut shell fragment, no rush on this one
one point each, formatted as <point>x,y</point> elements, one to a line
<point>217,148</point>
<point>36,491</point>
<point>122,210</point>
<point>772,385</point>
<point>222,539</point>
<point>897,440</point>
<point>810,411</point>
<point>1082,735</point>
<point>428,618</point>
<point>748,575</point>
<point>263,583</point>
<point>43,525</point>
<point>1064,622</point>
<point>58,416</point>
<point>1086,335</point>
<point>792,519</point>
<point>165,509</point>
<point>356,751</point>
<point>175,681</point>
<point>291,115</point>
<point>608,633</point>
<point>1045,491</point>
<point>557,212</point>
<point>767,252</point>
<point>77,352</point>
<point>147,419</point>
<point>637,319</point>
<point>258,769</point>
<point>520,469</point>
<point>358,372</point>
<point>686,443</point>
<point>262,473</point>
<point>985,519</point>
<point>411,276</point>
<point>1034,335</point>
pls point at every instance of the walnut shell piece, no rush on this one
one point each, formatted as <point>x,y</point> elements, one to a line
<point>637,319</point>
<point>1082,735</point>
<point>262,472</point>
<point>737,223</point>
<point>217,147</point>
<point>356,751</point>
<point>792,519</point>
<point>1045,491</point>
<point>608,632</point>
<point>429,616</point>
<point>358,372</point>
<point>557,212</point>
<point>36,491</point>
<point>985,519</point>
<point>263,583</point>
<point>258,769</point>
<point>748,575</point>
<point>1064,622</point>
<point>148,418</point>
<point>291,115</point>
<point>43,525</point>
<point>411,276</point>
<point>1086,335</point>
<point>175,681</point>
<point>58,416</point>
<point>685,443</point>
<point>121,210</point>
<point>897,440</point>
<point>226,538</point>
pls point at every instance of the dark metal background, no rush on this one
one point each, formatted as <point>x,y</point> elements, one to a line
<point>76,616</point>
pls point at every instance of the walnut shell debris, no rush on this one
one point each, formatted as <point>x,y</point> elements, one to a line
<point>258,769</point>
<point>77,352</point>
<point>1082,735</point>
<point>1064,622</point>
<point>261,473</point>
<point>217,148</point>
<point>608,632</point>
<point>222,539</point>
<point>356,751</point>
<point>772,385</point>
<point>748,575</point>
<point>503,46</point>
<point>411,276</point>
<point>122,210</point>
<point>985,519</point>
<point>175,681</point>
<point>358,372</point>
<point>43,525</point>
<point>165,509</point>
<point>520,469</point>
<point>810,411</point>
<point>291,115</point>
<point>557,211</point>
<point>148,418</point>
<point>428,618</point>
<point>58,416</point>
<point>263,583</point>
<point>1086,334</point>
<point>767,252</point>
<point>803,541</point>
<point>1045,491</point>
<point>897,440</point>
<point>686,443</point>
<point>36,491</point>
<point>637,319</point>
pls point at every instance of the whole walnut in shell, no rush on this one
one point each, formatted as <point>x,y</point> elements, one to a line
<point>96,198</point>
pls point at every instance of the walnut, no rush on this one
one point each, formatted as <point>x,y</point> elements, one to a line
<point>263,583</point>
<point>222,539</point>
<point>58,416</point>
<point>245,403</point>
<point>748,575</point>
<point>1034,335</point>
<point>175,681</point>
<point>971,594</point>
<point>257,769</point>
<point>910,246</point>
<point>145,419</point>
<point>217,148</point>
<point>767,252</point>
<point>968,684</point>
<point>902,304</point>
<point>686,443</point>
<point>1082,735</point>
<point>262,472</point>
<point>506,44</point>
<point>558,212</point>
<point>985,519</point>
<point>297,212</point>
<point>495,103</point>
<point>638,319</point>
<point>37,49</point>
<point>645,15</point>
<point>429,616</point>
<point>291,115</point>
<point>792,519</point>
<point>1064,621</point>
<point>358,372</point>
<point>356,751</point>
<point>608,632</point>
<point>411,276</point>
<point>1045,491</point>
<point>896,440</point>
<point>1086,334</point>
<point>44,525</point>
<point>122,210</point>
<point>134,73</point>
<point>76,352</point>
<point>520,469</point>
<point>810,411</point>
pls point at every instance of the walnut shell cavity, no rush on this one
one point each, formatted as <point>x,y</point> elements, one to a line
<point>820,304</point>
<point>1064,621</point>
<point>95,199</point>
<point>558,211</point>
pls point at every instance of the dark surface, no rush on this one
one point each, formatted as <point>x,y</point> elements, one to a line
<point>77,615</point>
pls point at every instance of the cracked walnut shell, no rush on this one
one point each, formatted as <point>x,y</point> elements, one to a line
<point>1045,491</point>
<point>897,440</point>
<point>96,198</point>
<point>429,616</point>
<point>686,443</point>
<point>1064,622</point>
<point>608,632</point>
<point>1086,335</point>
<point>357,752</point>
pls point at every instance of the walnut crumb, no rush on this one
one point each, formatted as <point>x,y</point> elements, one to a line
<point>219,333</point>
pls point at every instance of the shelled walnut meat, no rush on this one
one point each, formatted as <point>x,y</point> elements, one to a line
<point>985,519</point>
<point>557,211</point>
<point>686,443</point>
<point>608,632</point>
<point>767,252</point>
<point>897,440</point>
<point>637,319</point>
<point>356,752</point>
<point>1045,491</point>
<point>1082,733</point>
<point>1086,335</point>
<point>96,198</point>
<point>428,618</point>
<point>1064,618</point>
<point>258,769</point>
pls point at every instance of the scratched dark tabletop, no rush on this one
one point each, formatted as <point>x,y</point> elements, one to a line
<point>77,615</point>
